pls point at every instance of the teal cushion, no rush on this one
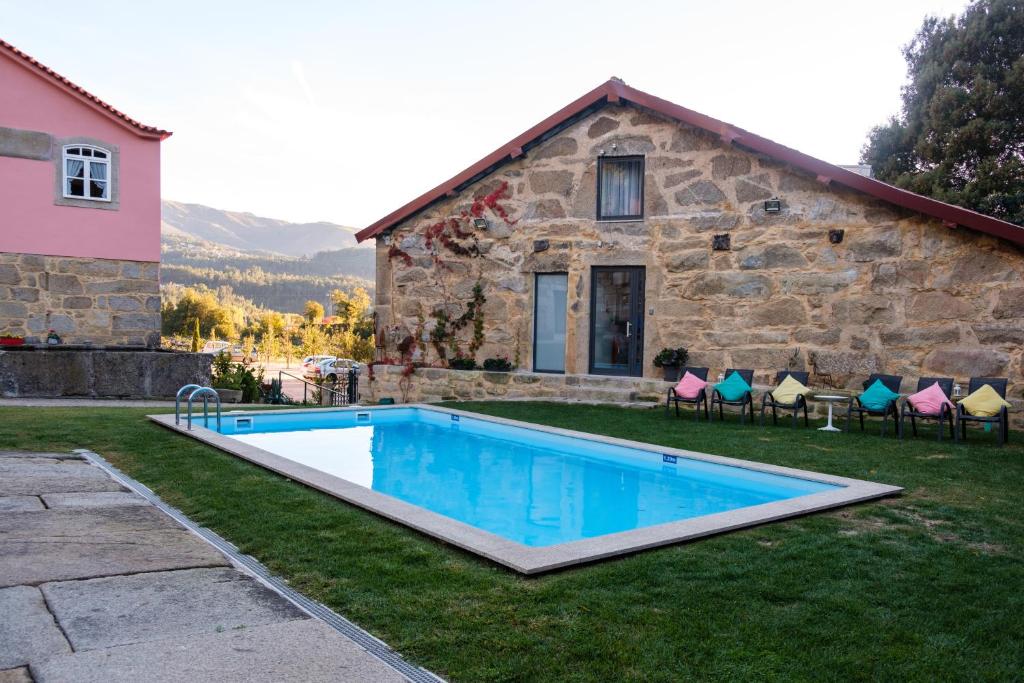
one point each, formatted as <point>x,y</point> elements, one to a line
<point>733,388</point>
<point>877,396</point>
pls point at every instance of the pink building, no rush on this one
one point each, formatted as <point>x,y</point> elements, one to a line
<point>79,212</point>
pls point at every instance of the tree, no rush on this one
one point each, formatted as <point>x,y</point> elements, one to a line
<point>350,309</point>
<point>202,306</point>
<point>313,312</point>
<point>197,341</point>
<point>960,135</point>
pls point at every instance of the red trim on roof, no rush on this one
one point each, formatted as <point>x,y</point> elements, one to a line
<point>615,90</point>
<point>81,93</point>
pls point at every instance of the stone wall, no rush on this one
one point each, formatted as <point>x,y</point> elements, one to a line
<point>105,302</point>
<point>99,373</point>
<point>899,293</point>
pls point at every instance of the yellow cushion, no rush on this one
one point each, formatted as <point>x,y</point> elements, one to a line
<point>788,390</point>
<point>984,402</point>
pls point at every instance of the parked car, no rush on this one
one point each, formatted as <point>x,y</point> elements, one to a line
<point>238,355</point>
<point>310,363</point>
<point>215,347</point>
<point>331,368</point>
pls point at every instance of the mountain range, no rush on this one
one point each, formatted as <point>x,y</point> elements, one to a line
<point>273,263</point>
<point>247,232</point>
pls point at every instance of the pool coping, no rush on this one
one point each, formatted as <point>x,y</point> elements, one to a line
<point>536,560</point>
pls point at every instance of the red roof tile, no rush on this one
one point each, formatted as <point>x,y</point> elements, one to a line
<point>615,90</point>
<point>81,93</point>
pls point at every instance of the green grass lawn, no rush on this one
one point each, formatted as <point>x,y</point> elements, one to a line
<point>926,586</point>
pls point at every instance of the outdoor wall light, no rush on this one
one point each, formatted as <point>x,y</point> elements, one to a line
<point>773,205</point>
<point>721,242</point>
<point>480,223</point>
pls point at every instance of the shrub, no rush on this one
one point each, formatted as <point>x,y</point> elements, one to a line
<point>462,363</point>
<point>671,357</point>
<point>498,364</point>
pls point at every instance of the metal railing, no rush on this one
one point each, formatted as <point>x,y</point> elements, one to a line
<point>196,391</point>
<point>342,393</point>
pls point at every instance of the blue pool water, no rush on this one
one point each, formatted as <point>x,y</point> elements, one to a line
<point>525,485</point>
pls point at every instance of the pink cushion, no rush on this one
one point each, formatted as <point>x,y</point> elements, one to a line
<point>930,400</point>
<point>689,386</point>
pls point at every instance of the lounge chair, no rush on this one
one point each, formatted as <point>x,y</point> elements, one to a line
<point>892,382</point>
<point>768,400</point>
<point>746,400</point>
<point>701,398</point>
<point>1001,420</point>
<point>945,412</point>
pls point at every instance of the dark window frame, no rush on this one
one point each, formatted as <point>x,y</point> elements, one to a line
<point>601,160</point>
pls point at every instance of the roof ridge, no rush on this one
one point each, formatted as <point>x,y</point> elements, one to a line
<point>615,90</point>
<point>37,66</point>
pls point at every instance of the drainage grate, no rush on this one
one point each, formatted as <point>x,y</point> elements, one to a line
<point>374,646</point>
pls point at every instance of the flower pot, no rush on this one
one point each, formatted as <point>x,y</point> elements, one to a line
<point>11,341</point>
<point>229,395</point>
<point>671,372</point>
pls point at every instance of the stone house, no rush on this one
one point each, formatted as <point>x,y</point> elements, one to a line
<point>625,223</point>
<point>79,212</point>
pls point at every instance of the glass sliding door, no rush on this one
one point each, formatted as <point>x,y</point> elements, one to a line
<point>617,321</point>
<point>549,322</point>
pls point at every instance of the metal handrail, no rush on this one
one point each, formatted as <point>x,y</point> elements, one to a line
<point>205,393</point>
<point>177,401</point>
<point>345,395</point>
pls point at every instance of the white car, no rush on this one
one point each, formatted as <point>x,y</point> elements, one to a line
<point>216,347</point>
<point>330,369</point>
<point>310,363</point>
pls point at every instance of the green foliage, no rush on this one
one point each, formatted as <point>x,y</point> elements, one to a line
<point>924,586</point>
<point>280,291</point>
<point>444,335</point>
<point>197,341</point>
<point>236,376</point>
<point>313,312</point>
<point>352,311</point>
<point>498,364</point>
<point>198,306</point>
<point>671,357</point>
<point>960,135</point>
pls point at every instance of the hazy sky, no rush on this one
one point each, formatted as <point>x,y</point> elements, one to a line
<point>343,111</point>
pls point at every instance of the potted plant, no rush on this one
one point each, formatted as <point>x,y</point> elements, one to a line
<point>671,361</point>
<point>11,340</point>
<point>461,362</point>
<point>227,381</point>
<point>497,364</point>
<point>53,339</point>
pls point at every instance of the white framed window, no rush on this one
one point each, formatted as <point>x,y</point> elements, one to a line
<point>86,173</point>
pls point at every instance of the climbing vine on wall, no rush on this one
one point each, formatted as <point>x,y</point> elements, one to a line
<point>453,232</point>
<point>444,336</point>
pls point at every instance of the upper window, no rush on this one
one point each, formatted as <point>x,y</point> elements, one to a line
<point>87,173</point>
<point>620,188</point>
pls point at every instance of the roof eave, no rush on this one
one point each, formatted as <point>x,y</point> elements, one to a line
<point>617,91</point>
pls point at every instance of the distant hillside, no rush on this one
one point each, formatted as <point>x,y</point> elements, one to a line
<point>269,277</point>
<point>247,232</point>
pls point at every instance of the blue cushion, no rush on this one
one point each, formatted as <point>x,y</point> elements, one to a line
<point>878,396</point>
<point>733,388</point>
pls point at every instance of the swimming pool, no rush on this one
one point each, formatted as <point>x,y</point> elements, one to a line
<point>528,496</point>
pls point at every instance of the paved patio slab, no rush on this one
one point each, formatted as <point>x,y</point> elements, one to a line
<point>19,675</point>
<point>306,650</point>
<point>99,499</point>
<point>84,543</point>
<point>27,630</point>
<point>129,609</point>
<point>20,504</point>
<point>36,454</point>
<point>19,478</point>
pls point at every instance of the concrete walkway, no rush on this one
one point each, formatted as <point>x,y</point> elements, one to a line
<point>96,584</point>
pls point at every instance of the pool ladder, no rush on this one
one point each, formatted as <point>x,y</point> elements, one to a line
<point>196,392</point>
